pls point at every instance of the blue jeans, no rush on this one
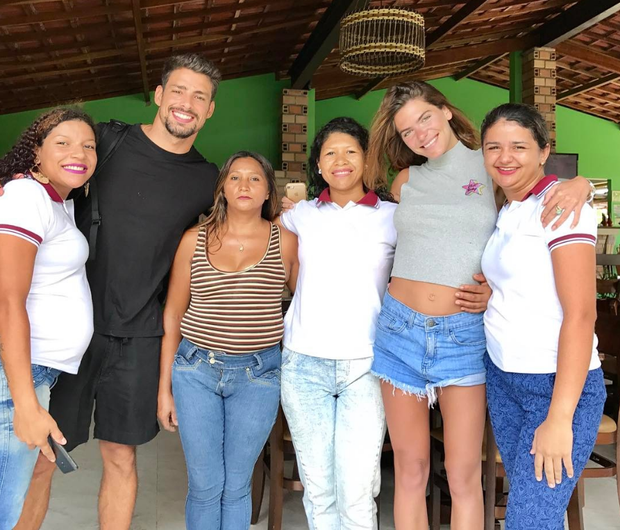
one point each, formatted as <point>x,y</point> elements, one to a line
<point>226,406</point>
<point>518,404</point>
<point>335,414</point>
<point>419,353</point>
<point>16,460</point>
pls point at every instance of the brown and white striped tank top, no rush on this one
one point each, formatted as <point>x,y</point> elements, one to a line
<point>236,312</point>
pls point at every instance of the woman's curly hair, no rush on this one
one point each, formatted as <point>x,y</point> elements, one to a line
<point>21,158</point>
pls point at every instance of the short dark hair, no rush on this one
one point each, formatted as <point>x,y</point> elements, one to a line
<point>316,182</point>
<point>21,158</point>
<point>196,63</point>
<point>338,125</point>
<point>525,115</point>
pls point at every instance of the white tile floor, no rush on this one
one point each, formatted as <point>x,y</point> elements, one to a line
<point>163,486</point>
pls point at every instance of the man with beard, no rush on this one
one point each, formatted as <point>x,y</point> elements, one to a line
<point>150,190</point>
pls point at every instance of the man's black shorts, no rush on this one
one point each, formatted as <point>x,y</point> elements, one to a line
<point>120,375</point>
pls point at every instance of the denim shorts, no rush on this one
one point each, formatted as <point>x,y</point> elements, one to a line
<point>418,353</point>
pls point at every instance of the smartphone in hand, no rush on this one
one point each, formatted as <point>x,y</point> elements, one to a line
<point>64,462</point>
<point>296,191</point>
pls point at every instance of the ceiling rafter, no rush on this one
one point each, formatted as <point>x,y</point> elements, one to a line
<point>587,86</point>
<point>137,18</point>
<point>589,55</point>
<point>321,42</point>
<point>567,24</point>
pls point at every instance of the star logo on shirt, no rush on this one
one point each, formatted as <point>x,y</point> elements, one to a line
<point>473,187</point>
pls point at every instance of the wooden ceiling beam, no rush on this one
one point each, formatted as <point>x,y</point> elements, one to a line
<point>159,45</point>
<point>227,8</point>
<point>48,85</point>
<point>88,12</point>
<point>587,86</point>
<point>88,29</point>
<point>574,20</point>
<point>589,55</point>
<point>467,10</point>
<point>588,108</point>
<point>321,42</point>
<point>137,19</point>
<point>103,54</point>
<point>95,28</point>
<point>308,5</point>
<point>13,56</point>
<point>479,65</point>
<point>459,17</point>
<point>71,71</point>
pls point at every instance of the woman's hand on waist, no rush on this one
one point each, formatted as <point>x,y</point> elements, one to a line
<point>474,298</point>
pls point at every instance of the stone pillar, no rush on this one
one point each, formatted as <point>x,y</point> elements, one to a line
<point>539,71</point>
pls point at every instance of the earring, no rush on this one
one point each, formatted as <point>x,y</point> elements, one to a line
<point>320,171</point>
<point>36,173</point>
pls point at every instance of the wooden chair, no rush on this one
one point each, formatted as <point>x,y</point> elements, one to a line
<point>495,495</point>
<point>607,435</point>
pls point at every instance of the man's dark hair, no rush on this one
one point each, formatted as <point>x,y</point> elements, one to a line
<point>194,62</point>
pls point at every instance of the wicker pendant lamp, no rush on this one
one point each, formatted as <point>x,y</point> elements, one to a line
<point>382,42</point>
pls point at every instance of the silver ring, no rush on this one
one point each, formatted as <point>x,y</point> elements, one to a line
<point>559,211</point>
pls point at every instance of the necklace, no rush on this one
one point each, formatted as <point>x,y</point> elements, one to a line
<point>241,244</point>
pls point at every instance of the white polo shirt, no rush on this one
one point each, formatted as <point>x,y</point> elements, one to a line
<point>345,260</point>
<point>524,316</point>
<point>59,304</point>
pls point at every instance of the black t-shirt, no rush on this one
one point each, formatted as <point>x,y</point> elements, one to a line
<point>147,198</point>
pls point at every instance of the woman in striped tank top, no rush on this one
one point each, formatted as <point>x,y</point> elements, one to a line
<point>223,318</point>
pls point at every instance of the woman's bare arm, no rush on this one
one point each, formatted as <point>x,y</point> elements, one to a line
<point>290,258</point>
<point>574,269</point>
<point>32,423</point>
<point>397,183</point>
<point>177,302</point>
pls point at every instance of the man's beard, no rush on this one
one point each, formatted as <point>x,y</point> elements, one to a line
<point>179,132</point>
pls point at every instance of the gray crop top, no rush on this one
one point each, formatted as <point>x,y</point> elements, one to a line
<point>446,215</point>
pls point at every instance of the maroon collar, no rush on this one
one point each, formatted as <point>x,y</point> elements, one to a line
<point>48,187</point>
<point>541,186</point>
<point>370,199</point>
<point>52,193</point>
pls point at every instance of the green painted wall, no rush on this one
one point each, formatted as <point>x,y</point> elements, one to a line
<point>247,116</point>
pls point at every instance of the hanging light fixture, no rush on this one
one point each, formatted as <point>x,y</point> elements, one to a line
<point>382,42</point>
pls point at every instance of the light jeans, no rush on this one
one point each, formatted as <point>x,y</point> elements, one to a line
<point>16,460</point>
<point>335,414</point>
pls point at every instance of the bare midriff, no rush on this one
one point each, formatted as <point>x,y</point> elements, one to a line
<point>428,298</point>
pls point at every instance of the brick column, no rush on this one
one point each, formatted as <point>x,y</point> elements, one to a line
<point>539,85</point>
<point>294,137</point>
<point>294,144</point>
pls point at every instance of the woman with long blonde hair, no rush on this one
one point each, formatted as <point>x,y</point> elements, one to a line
<point>430,343</point>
